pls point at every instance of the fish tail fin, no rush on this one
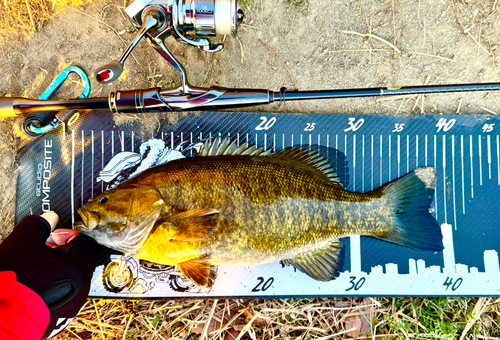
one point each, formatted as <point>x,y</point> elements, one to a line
<point>407,201</point>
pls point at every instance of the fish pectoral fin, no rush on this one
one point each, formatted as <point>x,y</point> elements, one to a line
<point>197,271</point>
<point>324,264</point>
<point>192,225</point>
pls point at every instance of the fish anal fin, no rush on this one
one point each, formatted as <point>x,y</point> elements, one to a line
<point>191,225</point>
<point>323,264</point>
<point>197,271</point>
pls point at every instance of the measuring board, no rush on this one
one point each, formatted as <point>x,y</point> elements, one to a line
<point>62,173</point>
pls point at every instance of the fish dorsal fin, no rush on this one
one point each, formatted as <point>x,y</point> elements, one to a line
<point>191,225</point>
<point>197,271</point>
<point>324,264</point>
<point>224,147</point>
<point>330,162</point>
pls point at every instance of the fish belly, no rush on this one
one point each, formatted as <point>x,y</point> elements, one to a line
<point>291,228</point>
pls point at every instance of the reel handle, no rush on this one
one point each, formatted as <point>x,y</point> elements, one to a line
<point>110,72</point>
<point>152,17</point>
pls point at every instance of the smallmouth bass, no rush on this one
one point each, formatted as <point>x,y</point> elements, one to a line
<point>240,206</point>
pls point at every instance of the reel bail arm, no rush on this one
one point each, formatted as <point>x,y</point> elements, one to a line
<point>188,21</point>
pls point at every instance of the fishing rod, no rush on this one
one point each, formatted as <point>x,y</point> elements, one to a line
<point>157,100</point>
<point>189,22</point>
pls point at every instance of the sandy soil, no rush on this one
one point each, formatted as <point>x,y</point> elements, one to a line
<point>325,44</point>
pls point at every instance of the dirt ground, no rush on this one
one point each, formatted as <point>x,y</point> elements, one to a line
<point>325,45</point>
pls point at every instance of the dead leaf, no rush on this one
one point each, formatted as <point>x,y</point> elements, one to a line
<point>260,322</point>
<point>231,334</point>
<point>353,322</point>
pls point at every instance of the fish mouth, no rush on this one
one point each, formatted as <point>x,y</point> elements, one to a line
<point>89,220</point>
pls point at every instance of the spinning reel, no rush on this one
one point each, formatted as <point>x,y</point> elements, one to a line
<point>188,21</point>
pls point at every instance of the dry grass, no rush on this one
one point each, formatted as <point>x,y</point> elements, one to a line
<point>22,18</point>
<point>336,318</point>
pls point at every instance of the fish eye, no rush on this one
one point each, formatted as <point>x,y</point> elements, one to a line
<point>103,199</point>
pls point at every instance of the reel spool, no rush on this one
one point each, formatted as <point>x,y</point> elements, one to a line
<point>188,21</point>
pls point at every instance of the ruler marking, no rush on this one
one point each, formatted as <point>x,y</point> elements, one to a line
<point>454,187</point>
<point>372,165</point>
<point>353,162</point>
<point>380,160</point>
<point>435,166</point>
<point>363,167</point>
<point>463,180</point>
<point>191,144</point>
<point>488,141</point>
<point>345,153</point>
<point>274,142</point>
<point>172,139</point>
<point>426,150</point>
<point>92,184</point>
<point>399,156</point>
<point>292,140</point>
<point>72,178</point>
<point>480,160</point>
<point>327,141</point>
<point>265,142</point>
<point>132,139</point>
<point>390,159</point>
<point>407,153</point>
<point>416,151</point>
<point>123,140</point>
<point>444,179</point>
<point>337,142</point>
<point>83,164</point>
<point>471,168</point>
<point>310,139</point>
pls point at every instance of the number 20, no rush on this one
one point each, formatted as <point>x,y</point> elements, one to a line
<point>266,124</point>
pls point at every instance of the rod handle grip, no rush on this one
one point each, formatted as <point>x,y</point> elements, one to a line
<point>7,107</point>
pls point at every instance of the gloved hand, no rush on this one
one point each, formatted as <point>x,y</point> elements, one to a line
<point>59,271</point>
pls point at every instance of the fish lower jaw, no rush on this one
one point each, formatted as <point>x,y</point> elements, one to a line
<point>80,226</point>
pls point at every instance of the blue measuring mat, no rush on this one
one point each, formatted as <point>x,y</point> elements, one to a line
<point>61,174</point>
